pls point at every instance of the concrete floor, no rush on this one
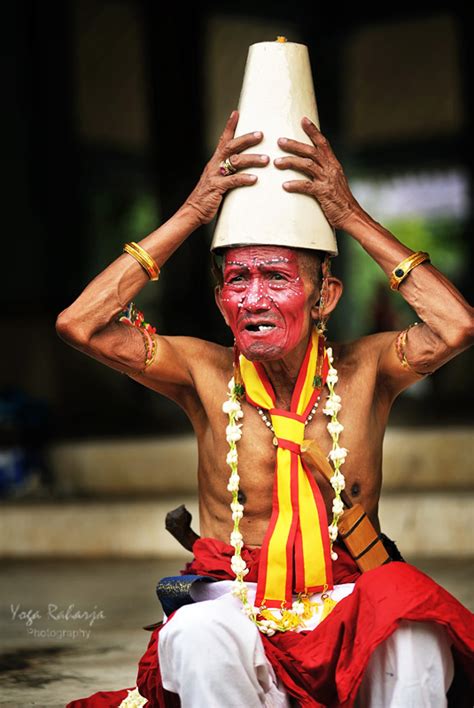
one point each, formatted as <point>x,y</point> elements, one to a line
<point>41,666</point>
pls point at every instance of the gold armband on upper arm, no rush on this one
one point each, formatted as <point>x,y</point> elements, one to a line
<point>400,345</point>
<point>131,315</point>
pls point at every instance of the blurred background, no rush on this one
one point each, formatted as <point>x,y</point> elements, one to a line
<point>111,109</point>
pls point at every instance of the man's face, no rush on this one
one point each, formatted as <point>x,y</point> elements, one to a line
<point>266,300</point>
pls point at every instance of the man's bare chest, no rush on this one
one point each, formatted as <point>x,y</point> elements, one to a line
<point>257,453</point>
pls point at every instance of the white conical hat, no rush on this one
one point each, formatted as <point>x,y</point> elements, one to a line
<point>277,92</point>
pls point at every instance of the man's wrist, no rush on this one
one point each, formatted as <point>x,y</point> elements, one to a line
<point>355,219</point>
<point>190,215</point>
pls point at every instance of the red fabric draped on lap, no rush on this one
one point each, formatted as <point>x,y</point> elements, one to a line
<point>323,668</point>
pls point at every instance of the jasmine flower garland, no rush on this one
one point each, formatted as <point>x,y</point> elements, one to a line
<point>338,454</point>
<point>302,608</point>
<point>133,700</point>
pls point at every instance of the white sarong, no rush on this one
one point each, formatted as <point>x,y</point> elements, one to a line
<point>212,656</point>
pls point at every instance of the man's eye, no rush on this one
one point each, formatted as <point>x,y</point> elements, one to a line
<point>236,279</point>
<point>277,276</point>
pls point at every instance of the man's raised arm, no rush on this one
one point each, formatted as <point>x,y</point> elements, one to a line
<point>448,320</point>
<point>91,323</point>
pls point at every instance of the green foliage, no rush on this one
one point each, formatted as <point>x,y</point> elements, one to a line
<point>114,219</point>
<point>364,280</point>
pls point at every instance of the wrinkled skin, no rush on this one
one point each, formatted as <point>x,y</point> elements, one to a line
<point>266,301</point>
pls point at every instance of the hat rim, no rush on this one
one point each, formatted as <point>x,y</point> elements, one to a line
<point>222,247</point>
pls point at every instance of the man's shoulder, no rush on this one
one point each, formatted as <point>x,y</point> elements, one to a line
<point>184,366</point>
<point>369,344</point>
<point>362,350</point>
<point>201,352</point>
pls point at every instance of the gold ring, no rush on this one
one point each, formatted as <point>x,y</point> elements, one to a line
<point>227,168</point>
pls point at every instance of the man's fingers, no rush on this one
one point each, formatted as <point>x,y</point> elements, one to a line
<point>314,133</point>
<point>243,142</point>
<point>301,149</point>
<point>242,162</point>
<point>301,164</point>
<point>230,126</point>
<point>242,179</point>
<point>303,186</point>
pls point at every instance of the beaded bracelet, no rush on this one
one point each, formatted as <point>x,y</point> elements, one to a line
<point>152,354</point>
<point>131,315</point>
<point>150,347</point>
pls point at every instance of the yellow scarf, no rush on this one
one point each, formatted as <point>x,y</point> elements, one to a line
<point>295,552</point>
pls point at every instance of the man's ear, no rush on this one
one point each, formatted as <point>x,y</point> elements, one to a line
<point>332,295</point>
<point>218,299</point>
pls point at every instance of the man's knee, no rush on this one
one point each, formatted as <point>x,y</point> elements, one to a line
<point>207,624</point>
<point>207,645</point>
<point>424,639</point>
<point>413,666</point>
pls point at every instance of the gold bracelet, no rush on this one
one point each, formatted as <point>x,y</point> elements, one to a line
<point>398,274</point>
<point>144,258</point>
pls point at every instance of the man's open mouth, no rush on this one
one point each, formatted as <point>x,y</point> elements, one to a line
<point>267,327</point>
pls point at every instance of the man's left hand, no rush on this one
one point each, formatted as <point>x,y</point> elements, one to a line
<point>327,182</point>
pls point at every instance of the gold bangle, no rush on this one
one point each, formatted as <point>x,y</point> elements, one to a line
<point>150,263</point>
<point>144,258</point>
<point>400,272</point>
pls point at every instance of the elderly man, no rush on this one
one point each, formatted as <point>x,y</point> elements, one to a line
<point>381,638</point>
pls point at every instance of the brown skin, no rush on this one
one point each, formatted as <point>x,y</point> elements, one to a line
<point>195,373</point>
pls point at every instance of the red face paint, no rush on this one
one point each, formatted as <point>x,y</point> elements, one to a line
<point>264,300</point>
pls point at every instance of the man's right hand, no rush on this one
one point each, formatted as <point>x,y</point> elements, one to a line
<point>208,193</point>
<point>89,323</point>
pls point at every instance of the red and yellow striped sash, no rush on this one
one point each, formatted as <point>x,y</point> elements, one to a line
<point>295,552</point>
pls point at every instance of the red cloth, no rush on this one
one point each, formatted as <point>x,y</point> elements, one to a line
<point>102,699</point>
<point>323,668</point>
<point>212,558</point>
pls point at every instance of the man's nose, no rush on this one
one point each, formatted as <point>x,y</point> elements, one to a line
<point>256,298</point>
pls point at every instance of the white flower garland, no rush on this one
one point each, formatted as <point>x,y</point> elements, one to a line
<point>338,454</point>
<point>133,700</point>
<point>302,608</point>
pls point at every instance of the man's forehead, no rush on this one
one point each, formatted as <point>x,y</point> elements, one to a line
<point>253,255</point>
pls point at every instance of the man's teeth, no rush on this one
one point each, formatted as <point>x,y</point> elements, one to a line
<point>259,327</point>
